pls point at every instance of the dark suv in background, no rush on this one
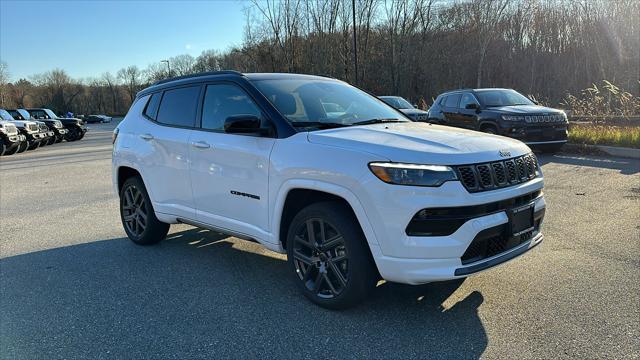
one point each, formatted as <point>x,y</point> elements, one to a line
<point>503,112</point>
<point>405,107</point>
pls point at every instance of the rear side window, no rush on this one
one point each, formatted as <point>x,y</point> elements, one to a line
<point>222,101</point>
<point>152,107</point>
<point>178,107</point>
<point>452,100</point>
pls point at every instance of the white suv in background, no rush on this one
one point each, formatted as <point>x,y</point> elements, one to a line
<point>351,197</point>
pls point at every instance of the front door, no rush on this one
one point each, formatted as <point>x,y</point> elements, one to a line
<point>467,118</point>
<point>230,172</point>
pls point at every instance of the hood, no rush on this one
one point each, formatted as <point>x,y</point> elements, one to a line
<point>420,143</point>
<point>413,112</point>
<point>526,109</point>
<point>23,123</point>
<point>70,120</point>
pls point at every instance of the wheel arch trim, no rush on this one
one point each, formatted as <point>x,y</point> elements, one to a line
<point>326,187</point>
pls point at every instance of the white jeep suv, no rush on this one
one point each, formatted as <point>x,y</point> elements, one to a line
<point>350,195</point>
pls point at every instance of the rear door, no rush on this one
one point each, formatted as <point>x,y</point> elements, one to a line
<point>230,172</point>
<point>162,145</point>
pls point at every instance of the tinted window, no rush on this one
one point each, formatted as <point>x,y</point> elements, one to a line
<point>38,114</point>
<point>503,98</point>
<point>467,98</point>
<point>152,107</point>
<point>452,100</point>
<point>222,101</point>
<point>178,106</point>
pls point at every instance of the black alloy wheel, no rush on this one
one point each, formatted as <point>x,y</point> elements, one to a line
<point>329,256</point>
<point>134,211</point>
<point>137,215</point>
<point>321,258</point>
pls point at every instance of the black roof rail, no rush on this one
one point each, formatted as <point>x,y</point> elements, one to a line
<point>221,72</point>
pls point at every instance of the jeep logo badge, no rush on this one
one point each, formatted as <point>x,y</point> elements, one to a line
<point>504,153</point>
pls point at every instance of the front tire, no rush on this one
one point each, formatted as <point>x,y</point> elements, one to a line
<point>329,256</point>
<point>23,146</point>
<point>137,215</point>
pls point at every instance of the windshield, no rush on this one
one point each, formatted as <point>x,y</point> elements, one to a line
<point>397,102</point>
<point>4,115</point>
<point>319,102</point>
<point>502,98</point>
<point>51,114</point>
<point>24,113</point>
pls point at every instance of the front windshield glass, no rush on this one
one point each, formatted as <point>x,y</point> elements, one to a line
<point>398,102</point>
<point>4,115</point>
<point>24,113</point>
<point>318,101</point>
<point>502,98</point>
<point>51,114</point>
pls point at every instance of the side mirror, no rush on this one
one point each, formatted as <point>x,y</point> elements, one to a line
<point>244,124</point>
<point>472,106</point>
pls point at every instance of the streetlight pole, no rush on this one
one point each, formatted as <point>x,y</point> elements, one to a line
<point>355,43</point>
<point>168,66</point>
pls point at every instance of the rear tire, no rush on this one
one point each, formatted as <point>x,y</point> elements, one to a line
<point>332,267</point>
<point>137,215</point>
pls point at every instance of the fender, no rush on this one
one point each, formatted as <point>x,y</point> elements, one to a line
<point>330,188</point>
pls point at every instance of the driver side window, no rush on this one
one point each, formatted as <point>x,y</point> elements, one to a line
<point>467,99</point>
<point>224,100</point>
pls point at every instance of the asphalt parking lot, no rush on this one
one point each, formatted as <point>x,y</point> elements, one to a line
<point>73,286</point>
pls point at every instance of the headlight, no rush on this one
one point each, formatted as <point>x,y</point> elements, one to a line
<point>412,174</point>
<point>513,118</point>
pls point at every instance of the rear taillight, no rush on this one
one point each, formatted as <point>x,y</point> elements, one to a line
<point>114,136</point>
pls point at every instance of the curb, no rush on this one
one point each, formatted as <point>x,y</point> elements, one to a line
<point>623,152</point>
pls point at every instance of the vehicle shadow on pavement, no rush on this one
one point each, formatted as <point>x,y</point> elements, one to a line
<point>624,166</point>
<point>201,295</point>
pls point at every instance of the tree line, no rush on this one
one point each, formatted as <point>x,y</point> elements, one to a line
<point>546,49</point>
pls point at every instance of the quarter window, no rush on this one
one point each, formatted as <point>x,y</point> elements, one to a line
<point>452,100</point>
<point>152,107</point>
<point>222,101</point>
<point>178,106</point>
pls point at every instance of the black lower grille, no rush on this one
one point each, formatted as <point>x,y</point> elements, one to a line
<point>498,174</point>
<point>493,241</point>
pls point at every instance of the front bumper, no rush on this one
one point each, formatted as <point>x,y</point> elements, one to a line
<point>536,135</point>
<point>404,258</point>
<point>61,131</point>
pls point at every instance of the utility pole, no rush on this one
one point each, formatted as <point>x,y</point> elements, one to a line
<point>168,66</point>
<point>355,42</point>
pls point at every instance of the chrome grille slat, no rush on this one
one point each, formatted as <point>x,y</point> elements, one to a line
<point>498,174</point>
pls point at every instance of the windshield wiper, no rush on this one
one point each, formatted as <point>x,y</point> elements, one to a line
<point>377,121</point>
<point>317,124</point>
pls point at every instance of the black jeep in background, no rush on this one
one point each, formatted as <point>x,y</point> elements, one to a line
<point>76,127</point>
<point>504,112</point>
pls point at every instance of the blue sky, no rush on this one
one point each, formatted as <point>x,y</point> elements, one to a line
<point>87,38</point>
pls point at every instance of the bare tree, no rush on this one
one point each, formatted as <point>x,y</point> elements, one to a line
<point>131,77</point>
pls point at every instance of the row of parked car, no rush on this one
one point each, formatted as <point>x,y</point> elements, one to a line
<point>28,129</point>
<point>503,112</point>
